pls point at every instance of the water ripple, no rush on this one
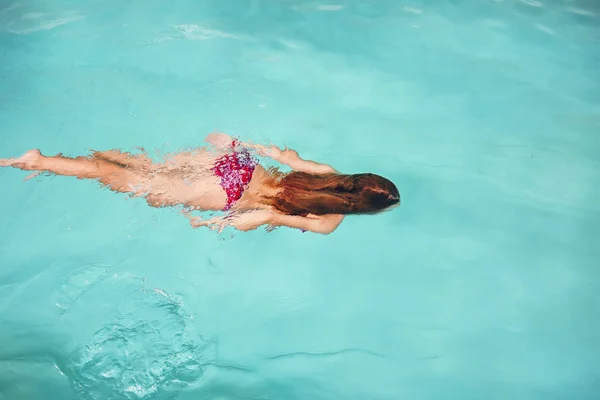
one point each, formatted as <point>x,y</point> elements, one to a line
<point>31,22</point>
<point>324,353</point>
<point>149,346</point>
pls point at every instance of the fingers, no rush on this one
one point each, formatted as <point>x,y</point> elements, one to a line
<point>214,224</point>
<point>218,139</point>
<point>197,222</point>
<point>219,227</point>
<point>267,151</point>
<point>260,149</point>
<point>31,176</point>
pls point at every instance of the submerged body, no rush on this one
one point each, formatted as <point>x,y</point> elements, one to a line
<point>226,177</point>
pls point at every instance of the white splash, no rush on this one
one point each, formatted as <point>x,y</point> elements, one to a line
<point>330,7</point>
<point>161,40</point>
<point>494,23</point>
<point>532,3</point>
<point>291,45</point>
<point>194,32</point>
<point>33,15</point>
<point>412,10</point>
<point>544,29</point>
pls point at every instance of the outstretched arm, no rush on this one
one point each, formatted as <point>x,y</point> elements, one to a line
<point>291,158</point>
<point>287,156</point>
<point>243,221</point>
<point>323,224</point>
<point>247,221</point>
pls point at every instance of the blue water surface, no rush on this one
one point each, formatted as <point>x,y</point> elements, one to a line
<point>482,285</point>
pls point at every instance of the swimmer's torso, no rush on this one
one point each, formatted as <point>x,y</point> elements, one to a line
<point>188,179</point>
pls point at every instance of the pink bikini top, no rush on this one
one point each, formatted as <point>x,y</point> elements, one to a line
<point>235,170</point>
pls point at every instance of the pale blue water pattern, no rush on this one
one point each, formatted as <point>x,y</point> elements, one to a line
<point>482,285</point>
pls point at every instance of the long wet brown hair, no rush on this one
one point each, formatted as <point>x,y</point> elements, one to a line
<point>300,193</point>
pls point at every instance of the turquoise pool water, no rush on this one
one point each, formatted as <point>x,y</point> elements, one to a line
<point>482,285</point>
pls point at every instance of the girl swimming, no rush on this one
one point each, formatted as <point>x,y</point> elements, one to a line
<point>312,197</point>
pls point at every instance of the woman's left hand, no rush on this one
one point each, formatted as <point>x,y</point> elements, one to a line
<point>219,140</point>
